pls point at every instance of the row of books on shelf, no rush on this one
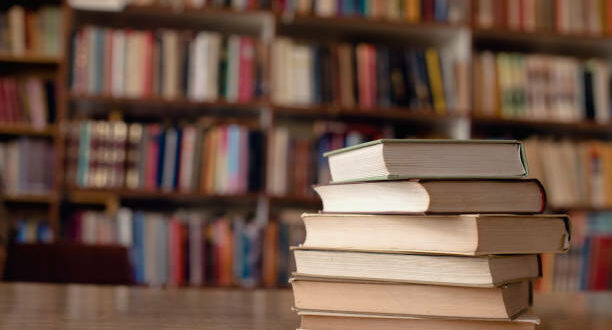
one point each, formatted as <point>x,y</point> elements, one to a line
<point>588,265</point>
<point>576,174</point>
<point>35,32</point>
<point>27,166</point>
<point>195,248</point>
<point>368,76</point>
<point>453,11</point>
<point>543,87</point>
<point>197,4</point>
<point>204,157</point>
<point>202,66</point>
<point>295,154</point>
<point>563,16</point>
<point>28,100</point>
<point>31,230</point>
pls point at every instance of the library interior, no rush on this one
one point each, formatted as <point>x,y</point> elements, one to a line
<point>161,162</point>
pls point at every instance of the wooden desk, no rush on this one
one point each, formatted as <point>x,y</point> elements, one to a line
<point>49,306</point>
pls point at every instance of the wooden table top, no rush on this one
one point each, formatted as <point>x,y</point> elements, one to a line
<point>51,306</point>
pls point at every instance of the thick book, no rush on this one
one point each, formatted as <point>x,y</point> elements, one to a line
<point>486,271</point>
<point>407,158</point>
<point>502,303</point>
<point>320,320</point>
<point>443,234</point>
<point>434,196</point>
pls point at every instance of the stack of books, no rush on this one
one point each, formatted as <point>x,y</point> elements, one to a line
<point>425,234</point>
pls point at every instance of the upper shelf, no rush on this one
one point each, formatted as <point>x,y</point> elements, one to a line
<point>585,128</point>
<point>29,59</point>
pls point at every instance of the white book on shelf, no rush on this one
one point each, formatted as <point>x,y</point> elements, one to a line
<point>124,226</point>
<point>280,82</point>
<point>198,60</point>
<point>447,65</point>
<point>102,5</point>
<point>277,169</point>
<point>601,92</point>
<point>118,74</point>
<point>302,67</point>
<point>326,8</point>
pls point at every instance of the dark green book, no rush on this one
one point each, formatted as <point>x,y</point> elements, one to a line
<point>392,159</point>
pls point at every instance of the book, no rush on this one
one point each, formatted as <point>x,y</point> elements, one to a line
<point>397,158</point>
<point>503,303</point>
<point>434,196</point>
<point>322,320</point>
<point>487,271</point>
<point>443,234</point>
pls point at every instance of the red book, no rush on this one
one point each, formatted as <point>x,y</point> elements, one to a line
<point>204,251</point>
<point>151,160</point>
<point>593,260</point>
<point>183,263</point>
<point>11,104</point>
<point>3,103</point>
<point>522,7</point>
<point>428,10</point>
<point>602,264</point>
<point>147,63</point>
<point>245,73</point>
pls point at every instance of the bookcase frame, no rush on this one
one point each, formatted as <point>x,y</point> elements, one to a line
<point>275,24</point>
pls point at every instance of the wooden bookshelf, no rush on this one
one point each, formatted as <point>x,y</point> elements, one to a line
<point>45,198</point>
<point>31,59</point>
<point>587,128</point>
<point>25,130</point>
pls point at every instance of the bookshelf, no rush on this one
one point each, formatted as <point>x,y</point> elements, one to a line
<point>269,25</point>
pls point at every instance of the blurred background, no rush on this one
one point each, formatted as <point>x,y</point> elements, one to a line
<point>174,142</point>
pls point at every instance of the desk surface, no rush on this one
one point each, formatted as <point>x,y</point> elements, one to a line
<point>49,306</point>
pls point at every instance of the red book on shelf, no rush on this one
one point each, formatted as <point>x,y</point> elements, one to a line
<point>152,155</point>
<point>3,103</point>
<point>147,64</point>
<point>594,249</point>
<point>363,79</point>
<point>245,76</point>
<point>428,10</point>
<point>602,264</point>
<point>183,253</point>
<point>11,105</point>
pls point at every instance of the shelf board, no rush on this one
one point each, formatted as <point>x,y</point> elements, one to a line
<point>30,59</point>
<point>44,198</point>
<point>570,43</point>
<point>391,113</point>
<point>295,199</point>
<point>583,127</point>
<point>5,129</point>
<point>355,24</point>
<point>92,195</point>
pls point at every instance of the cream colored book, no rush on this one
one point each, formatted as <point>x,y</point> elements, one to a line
<point>487,271</point>
<point>434,196</point>
<point>440,234</point>
<point>391,159</point>
<point>503,303</point>
<point>318,320</point>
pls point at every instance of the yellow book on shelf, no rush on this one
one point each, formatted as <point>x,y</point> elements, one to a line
<point>435,80</point>
<point>413,10</point>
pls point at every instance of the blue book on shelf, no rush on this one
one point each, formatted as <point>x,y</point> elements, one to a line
<point>22,232</point>
<point>441,10</point>
<point>43,233</point>
<point>177,157</point>
<point>584,267</point>
<point>347,7</point>
<point>84,150</point>
<point>100,58</point>
<point>233,155</point>
<point>137,252</point>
